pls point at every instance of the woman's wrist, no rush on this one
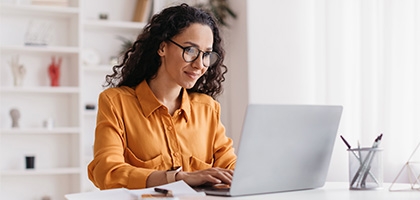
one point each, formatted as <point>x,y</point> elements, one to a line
<point>180,176</point>
<point>171,174</point>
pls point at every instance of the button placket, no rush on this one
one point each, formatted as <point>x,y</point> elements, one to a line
<point>172,139</point>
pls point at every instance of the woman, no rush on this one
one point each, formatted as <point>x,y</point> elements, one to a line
<point>159,121</point>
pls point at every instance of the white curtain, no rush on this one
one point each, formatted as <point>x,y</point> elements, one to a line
<point>370,63</point>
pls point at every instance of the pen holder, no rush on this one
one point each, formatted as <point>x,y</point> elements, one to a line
<point>365,168</point>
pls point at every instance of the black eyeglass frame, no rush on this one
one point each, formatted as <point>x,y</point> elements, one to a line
<point>199,51</point>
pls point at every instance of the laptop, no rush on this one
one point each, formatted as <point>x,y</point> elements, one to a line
<point>283,148</point>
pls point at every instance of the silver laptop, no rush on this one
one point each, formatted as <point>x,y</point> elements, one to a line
<point>283,148</point>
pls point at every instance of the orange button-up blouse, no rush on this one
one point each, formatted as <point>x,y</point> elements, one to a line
<point>135,135</point>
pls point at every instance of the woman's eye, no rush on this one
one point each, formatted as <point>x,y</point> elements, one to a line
<point>191,50</point>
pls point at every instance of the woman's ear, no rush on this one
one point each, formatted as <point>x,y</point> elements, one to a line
<point>161,50</point>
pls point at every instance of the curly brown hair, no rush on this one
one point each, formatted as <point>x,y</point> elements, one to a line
<point>142,61</point>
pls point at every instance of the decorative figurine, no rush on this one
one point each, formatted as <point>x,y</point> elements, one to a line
<point>90,106</point>
<point>48,123</point>
<point>46,197</point>
<point>39,33</point>
<point>103,16</point>
<point>15,114</point>
<point>30,161</point>
<point>54,71</point>
<point>19,71</point>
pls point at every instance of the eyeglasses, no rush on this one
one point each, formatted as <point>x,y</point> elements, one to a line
<point>191,53</point>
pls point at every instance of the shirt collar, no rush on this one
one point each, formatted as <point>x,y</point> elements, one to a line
<point>149,103</point>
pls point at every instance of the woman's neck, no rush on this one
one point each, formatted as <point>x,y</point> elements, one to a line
<point>167,95</point>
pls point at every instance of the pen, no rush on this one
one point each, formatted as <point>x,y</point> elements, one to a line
<point>345,142</point>
<point>166,192</point>
<point>360,154</point>
<point>349,147</point>
<point>367,170</point>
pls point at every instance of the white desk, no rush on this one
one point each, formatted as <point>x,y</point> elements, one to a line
<point>331,191</point>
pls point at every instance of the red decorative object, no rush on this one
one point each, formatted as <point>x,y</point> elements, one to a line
<point>54,71</point>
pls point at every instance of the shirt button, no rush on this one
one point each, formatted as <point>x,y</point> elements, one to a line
<point>176,154</point>
<point>170,128</point>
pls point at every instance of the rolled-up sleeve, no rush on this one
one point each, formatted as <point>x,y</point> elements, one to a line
<point>224,154</point>
<point>108,169</point>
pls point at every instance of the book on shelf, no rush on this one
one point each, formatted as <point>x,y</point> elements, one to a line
<point>142,10</point>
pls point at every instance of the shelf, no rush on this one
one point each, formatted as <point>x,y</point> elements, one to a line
<point>98,68</point>
<point>40,49</point>
<point>52,171</point>
<point>90,113</point>
<point>40,131</point>
<point>49,11</point>
<point>114,25</point>
<point>45,89</point>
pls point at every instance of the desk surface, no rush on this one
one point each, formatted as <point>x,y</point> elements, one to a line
<point>331,191</point>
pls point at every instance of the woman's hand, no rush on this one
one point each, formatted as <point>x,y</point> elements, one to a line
<point>207,176</point>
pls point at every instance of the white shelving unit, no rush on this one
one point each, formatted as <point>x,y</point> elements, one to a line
<point>57,150</point>
<point>62,152</point>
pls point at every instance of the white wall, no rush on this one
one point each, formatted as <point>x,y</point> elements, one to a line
<point>286,59</point>
<point>271,57</point>
<point>279,51</point>
<point>235,96</point>
<point>265,46</point>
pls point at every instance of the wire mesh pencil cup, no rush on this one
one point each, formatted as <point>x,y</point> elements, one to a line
<point>365,168</point>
